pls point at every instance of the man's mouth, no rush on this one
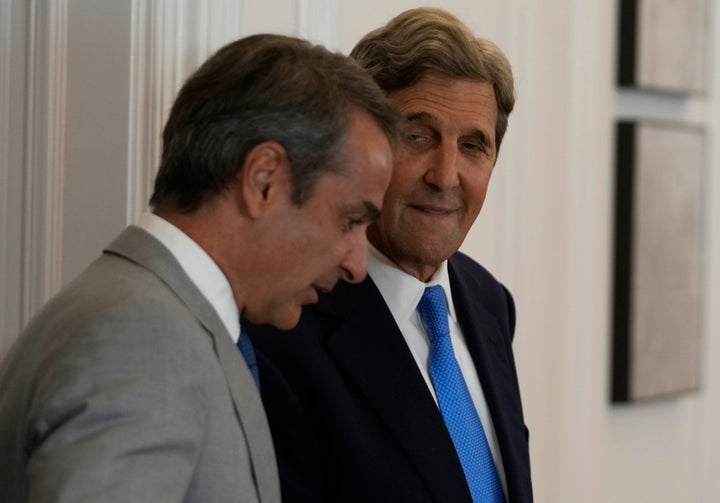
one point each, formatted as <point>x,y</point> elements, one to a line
<point>314,292</point>
<point>322,288</point>
<point>432,209</point>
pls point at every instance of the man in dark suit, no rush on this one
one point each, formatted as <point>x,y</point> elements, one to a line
<point>128,385</point>
<point>357,394</point>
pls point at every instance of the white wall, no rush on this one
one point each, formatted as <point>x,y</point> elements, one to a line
<point>84,88</point>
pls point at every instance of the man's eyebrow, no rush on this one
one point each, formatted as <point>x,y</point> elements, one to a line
<point>419,116</point>
<point>482,136</point>
<point>372,211</point>
<point>478,133</point>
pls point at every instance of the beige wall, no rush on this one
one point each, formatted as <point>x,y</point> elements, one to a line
<point>85,84</point>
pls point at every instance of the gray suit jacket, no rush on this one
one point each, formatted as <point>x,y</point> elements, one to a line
<point>127,387</point>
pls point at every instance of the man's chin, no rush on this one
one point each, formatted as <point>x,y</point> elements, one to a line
<point>286,319</point>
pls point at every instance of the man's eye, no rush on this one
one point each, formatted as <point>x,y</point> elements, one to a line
<point>352,223</point>
<point>416,138</point>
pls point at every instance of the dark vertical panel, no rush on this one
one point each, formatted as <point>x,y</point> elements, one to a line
<point>627,45</point>
<point>625,166</point>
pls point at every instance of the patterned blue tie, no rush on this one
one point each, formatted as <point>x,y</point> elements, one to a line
<point>455,403</point>
<point>246,348</point>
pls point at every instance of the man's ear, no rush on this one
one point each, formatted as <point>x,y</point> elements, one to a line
<point>264,173</point>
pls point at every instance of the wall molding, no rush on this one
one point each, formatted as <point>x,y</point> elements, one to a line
<point>44,153</point>
<point>317,21</point>
<point>151,76</point>
<point>710,377</point>
<point>6,34</point>
<point>142,111</point>
<point>169,39</point>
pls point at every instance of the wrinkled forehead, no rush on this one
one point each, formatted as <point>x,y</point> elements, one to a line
<point>467,107</point>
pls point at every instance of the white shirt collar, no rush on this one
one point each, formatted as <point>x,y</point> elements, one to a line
<point>200,268</point>
<point>401,291</point>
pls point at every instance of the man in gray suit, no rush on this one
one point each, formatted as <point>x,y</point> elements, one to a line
<point>128,385</point>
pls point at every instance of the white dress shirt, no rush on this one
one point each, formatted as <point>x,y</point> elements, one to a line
<point>402,293</point>
<point>199,267</point>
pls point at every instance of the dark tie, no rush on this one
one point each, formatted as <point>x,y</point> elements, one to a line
<point>248,352</point>
<point>456,405</point>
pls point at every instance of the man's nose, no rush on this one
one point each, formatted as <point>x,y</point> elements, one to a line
<point>354,263</point>
<point>443,173</point>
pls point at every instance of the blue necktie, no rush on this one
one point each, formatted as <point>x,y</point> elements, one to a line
<point>248,352</point>
<point>456,405</point>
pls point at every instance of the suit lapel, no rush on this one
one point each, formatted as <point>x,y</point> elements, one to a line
<point>369,345</point>
<point>484,341</point>
<point>491,355</point>
<point>140,247</point>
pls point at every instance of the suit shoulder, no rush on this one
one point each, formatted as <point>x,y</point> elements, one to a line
<point>114,308</point>
<point>462,266</point>
<point>473,283</point>
<point>113,285</point>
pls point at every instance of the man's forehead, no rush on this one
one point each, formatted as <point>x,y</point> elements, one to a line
<point>435,99</point>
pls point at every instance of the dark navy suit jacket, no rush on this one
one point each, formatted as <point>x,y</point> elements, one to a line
<point>351,416</point>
